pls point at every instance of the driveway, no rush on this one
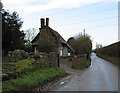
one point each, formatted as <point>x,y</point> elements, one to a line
<point>100,76</point>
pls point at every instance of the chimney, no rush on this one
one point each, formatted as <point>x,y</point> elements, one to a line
<point>42,22</point>
<point>47,22</point>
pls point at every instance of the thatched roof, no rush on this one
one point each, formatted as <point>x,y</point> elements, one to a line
<point>55,34</point>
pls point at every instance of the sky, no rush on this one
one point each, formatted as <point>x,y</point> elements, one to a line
<point>99,18</point>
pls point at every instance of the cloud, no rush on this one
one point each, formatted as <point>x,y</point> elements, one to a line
<point>27,6</point>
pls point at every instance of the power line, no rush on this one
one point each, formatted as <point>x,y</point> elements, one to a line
<point>74,16</point>
<point>100,26</point>
<point>90,21</point>
<point>69,10</point>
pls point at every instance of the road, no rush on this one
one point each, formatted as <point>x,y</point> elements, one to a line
<point>100,76</point>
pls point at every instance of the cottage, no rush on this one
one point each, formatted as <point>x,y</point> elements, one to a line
<point>46,32</point>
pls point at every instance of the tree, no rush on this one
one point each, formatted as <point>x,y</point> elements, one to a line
<point>29,36</point>
<point>70,39</point>
<point>82,44</point>
<point>12,36</point>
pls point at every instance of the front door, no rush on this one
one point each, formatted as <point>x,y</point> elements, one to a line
<point>64,52</point>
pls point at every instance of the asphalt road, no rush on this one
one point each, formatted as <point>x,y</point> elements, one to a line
<point>100,76</point>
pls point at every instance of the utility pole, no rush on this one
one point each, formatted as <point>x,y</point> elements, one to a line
<point>84,32</point>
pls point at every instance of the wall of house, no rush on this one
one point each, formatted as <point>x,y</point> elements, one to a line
<point>45,33</point>
<point>64,52</point>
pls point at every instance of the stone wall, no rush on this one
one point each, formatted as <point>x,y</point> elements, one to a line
<point>78,60</point>
<point>46,59</point>
<point>33,61</point>
<point>43,59</point>
<point>16,55</point>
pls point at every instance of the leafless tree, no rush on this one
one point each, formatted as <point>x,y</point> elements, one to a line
<point>30,35</point>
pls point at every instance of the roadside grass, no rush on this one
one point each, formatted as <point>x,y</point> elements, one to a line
<point>85,65</point>
<point>113,60</point>
<point>32,79</point>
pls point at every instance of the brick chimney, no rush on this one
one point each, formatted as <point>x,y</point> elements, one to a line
<point>47,22</point>
<point>42,22</point>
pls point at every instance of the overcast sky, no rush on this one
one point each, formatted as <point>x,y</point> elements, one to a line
<point>69,17</point>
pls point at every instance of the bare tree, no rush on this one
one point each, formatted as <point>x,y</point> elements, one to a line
<point>30,35</point>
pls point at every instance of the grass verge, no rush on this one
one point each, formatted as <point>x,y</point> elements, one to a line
<point>85,65</point>
<point>33,79</point>
<point>113,60</point>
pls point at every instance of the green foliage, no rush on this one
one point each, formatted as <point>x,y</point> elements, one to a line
<point>113,60</point>
<point>81,44</point>
<point>12,36</point>
<point>70,39</point>
<point>7,86</point>
<point>4,57</point>
<point>16,69</point>
<point>46,45</point>
<point>32,79</point>
<point>110,52</point>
